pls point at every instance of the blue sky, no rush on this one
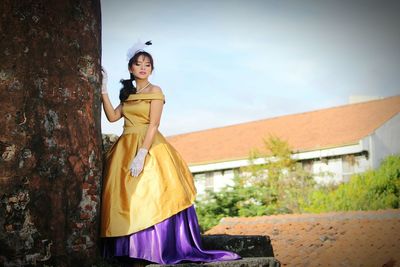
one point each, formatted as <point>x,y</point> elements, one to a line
<point>228,61</point>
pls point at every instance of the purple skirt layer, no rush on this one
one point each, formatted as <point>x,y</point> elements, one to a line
<point>174,240</point>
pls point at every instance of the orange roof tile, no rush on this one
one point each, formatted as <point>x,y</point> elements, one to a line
<point>356,238</point>
<point>330,127</point>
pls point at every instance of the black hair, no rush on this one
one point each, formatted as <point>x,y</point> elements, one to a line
<point>127,85</point>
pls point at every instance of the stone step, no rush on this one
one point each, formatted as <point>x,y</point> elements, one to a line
<point>244,245</point>
<point>245,262</point>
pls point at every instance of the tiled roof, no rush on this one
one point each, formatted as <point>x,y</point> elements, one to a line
<point>324,128</point>
<point>358,238</point>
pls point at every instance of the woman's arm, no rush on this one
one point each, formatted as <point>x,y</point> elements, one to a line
<point>111,113</point>
<point>156,107</point>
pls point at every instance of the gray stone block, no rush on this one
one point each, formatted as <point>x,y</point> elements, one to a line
<point>244,245</point>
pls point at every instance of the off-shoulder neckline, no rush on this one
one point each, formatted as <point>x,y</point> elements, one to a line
<point>158,95</point>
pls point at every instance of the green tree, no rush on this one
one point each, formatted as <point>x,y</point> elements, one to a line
<point>286,184</point>
<point>276,185</point>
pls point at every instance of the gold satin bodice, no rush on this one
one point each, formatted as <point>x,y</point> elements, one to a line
<point>136,109</point>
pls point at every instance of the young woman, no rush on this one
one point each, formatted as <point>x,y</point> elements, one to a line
<point>147,208</point>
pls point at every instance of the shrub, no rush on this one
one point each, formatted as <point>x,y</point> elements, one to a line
<point>372,190</point>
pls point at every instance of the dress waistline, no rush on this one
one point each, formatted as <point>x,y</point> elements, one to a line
<point>135,129</point>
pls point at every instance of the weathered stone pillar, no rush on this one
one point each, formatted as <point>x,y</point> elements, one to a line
<point>50,140</point>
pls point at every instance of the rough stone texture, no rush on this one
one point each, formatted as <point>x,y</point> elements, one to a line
<point>245,262</point>
<point>108,141</point>
<point>245,246</point>
<point>50,141</point>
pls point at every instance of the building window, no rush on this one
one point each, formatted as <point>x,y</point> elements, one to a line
<point>209,181</point>
<point>348,163</point>
<point>307,165</point>
<point>198,177</point>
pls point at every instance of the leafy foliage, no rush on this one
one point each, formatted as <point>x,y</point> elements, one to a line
<point>372,190</point>
<point>279,185</point>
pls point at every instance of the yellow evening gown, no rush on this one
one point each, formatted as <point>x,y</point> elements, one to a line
<point>164,188</point>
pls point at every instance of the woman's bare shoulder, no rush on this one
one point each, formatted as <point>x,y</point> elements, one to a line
<point>155,89</point>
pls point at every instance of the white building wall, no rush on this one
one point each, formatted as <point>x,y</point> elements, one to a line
<point>214,181</point>
<point>384,141</point>
<point>218,179</point>
<point>200,183</point>
<point>328,171</point>
<point>362,164</point>
<point>222,179</point>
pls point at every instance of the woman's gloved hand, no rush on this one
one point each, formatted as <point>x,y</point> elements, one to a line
<point>138,162</point>
<point>104,81</point>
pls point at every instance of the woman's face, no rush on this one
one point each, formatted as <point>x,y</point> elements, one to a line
<point>142,68</point>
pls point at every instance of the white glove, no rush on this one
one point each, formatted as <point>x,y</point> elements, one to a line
<point>138,162</point>
<point>104,81</point>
